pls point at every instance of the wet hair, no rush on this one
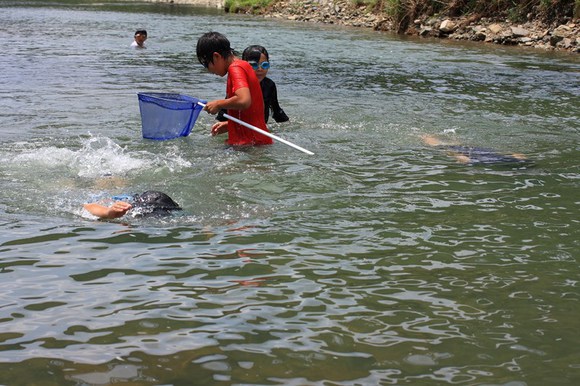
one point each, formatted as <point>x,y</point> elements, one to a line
<point>141,32</point>
<point>211,42</point>
<point>253,53</point>
<point>153,202</point>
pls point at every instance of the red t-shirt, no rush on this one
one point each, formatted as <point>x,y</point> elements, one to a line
<point>240,75</point>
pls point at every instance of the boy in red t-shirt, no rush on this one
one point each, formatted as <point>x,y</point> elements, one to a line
<point>243,93</point>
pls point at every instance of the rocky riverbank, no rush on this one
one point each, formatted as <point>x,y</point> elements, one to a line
<point>563,36</point>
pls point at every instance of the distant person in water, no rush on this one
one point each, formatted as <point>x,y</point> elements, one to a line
<point>149,203</point>
<point>243,94</point>
<point>139,40</point>
<point>473,155</point>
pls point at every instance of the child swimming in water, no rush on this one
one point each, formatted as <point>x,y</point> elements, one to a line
<point>149,203</point>
<point>473,155</point>
<point>139,40</point>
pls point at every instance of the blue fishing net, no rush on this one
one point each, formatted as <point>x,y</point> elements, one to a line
<point>167,116</point>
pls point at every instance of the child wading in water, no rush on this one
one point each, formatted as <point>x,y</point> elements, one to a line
<point>243,93</point>
<point>259,59</point>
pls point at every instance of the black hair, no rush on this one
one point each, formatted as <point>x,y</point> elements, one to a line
<point>153,202</point>
<point>141,32</point>
<point>253,53</point>
<point>211,42</point>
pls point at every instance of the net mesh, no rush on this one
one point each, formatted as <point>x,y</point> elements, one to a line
<point>167,116</point>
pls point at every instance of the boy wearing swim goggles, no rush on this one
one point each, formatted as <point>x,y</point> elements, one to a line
<point>259,59</point>
<point>243,93</point>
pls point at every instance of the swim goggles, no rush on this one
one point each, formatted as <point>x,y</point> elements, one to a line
<point>263,65</point>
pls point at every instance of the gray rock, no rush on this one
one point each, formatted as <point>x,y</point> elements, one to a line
<point>447,26</point>
<point>554,40</point>
<point>566,43</point>
<point>479,36</point>
<point>495,28</point>
<point>425,31</point>
<point>561,31</point>
<point>519,32</point>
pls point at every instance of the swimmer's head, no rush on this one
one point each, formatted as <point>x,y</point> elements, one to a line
<point>253,53</point>
<point>153,202</point>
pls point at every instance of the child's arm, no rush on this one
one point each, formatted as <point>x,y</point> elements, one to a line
<point>241,100</point>
<point>118,209</point>
<point>277,113</point>
<point>219,128</point>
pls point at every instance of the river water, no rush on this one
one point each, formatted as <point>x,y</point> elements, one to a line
<point>379,260</point>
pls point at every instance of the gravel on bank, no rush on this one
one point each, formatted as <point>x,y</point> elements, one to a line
<point>558,37</point>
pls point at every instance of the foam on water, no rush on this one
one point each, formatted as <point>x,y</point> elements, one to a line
<point>44,175</point>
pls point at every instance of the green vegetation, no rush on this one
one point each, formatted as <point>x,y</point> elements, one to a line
<point>247,6</point>
<point>404,11</point>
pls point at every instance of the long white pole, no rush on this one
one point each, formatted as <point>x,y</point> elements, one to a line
<point>257,129</point>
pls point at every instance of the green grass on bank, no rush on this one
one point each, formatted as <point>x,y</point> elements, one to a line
<point>251,6</point>
<point>547,11</point>
<point>404,11</point>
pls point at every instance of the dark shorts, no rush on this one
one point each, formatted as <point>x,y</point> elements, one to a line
<point>480,155</point>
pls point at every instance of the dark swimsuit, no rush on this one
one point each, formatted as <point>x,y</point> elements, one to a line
<point>270,95</point>
<point>483,156</point>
